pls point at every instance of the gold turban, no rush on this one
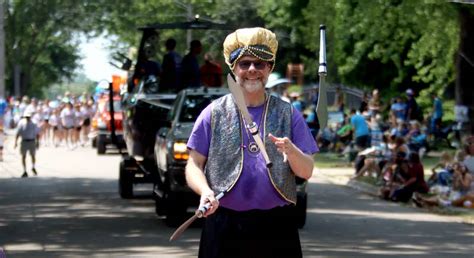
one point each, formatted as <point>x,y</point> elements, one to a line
<point>258,42</point>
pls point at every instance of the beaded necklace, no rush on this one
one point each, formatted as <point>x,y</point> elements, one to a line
<point>252,145</point>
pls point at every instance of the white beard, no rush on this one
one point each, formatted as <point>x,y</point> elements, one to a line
<point>250,86</point>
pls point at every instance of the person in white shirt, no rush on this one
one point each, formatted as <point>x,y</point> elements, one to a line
<point>46,128</point>
<point>67,119</point>
<point>55,123</point>
<point>87,112</point>
<point>469,149</point>
<point>29,133</point>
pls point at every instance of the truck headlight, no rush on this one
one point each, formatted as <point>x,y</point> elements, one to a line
<point>180,151</point>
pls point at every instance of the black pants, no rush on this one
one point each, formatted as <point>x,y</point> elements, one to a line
<point>255,233</point>
<point>362,141</point>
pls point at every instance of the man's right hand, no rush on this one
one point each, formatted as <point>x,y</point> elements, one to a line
<point>208,197</point>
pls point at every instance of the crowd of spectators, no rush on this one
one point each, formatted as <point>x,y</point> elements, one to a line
<point>388,142</point>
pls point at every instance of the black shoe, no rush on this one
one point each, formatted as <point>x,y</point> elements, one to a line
<point>24,174</point>
<point>34,171</point>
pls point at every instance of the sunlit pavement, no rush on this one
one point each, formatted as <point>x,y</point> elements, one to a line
<point>72,209</point>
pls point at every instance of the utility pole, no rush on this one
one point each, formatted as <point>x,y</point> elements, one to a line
<point>189,17</point>
<point>2,49</point>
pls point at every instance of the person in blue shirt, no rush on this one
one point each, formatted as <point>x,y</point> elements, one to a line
<point>397,110</point>
<point>171,67</point>
<point>191,75</point>
<point>296,101</point>
<point>361,130</point>
<point>437,116</point>
<point>3,109</point>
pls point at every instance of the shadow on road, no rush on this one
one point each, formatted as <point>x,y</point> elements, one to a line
<point>58,217</point>
<point>345,223</point>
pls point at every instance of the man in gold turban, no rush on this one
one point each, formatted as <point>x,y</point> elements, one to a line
<point>256,215</point>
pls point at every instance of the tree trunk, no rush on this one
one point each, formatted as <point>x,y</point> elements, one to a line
<point>465,64</point>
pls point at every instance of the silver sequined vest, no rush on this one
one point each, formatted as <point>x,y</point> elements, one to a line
<point>225,158</point>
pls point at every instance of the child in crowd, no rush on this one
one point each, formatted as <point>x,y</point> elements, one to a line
<point>442,177</point>
<point>460,194</point>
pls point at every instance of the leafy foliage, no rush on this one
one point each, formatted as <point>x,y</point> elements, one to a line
<point>40,39</point>
<point>386,44</point>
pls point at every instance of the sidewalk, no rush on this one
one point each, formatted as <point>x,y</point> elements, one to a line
<point>342,176</point>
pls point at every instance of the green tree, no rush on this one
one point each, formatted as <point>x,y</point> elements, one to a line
<point>42,39</point>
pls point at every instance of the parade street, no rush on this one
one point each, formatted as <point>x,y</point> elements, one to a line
<point>72,209</point>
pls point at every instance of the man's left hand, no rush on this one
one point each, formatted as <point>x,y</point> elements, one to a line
<point>283,144</point>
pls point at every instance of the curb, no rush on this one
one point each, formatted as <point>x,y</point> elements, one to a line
<point>465,216</point>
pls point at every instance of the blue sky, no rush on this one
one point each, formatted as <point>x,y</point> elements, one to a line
<point>95,60</point>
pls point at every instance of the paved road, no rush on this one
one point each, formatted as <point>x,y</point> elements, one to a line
<point>72,209</point>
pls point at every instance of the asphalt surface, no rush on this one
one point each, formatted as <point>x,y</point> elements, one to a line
<point>72,209</point>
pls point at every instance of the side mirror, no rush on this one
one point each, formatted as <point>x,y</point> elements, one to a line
<point>127,64</point>
<point>163,131</point>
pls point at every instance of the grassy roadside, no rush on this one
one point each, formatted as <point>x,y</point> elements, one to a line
<point>333,160</point>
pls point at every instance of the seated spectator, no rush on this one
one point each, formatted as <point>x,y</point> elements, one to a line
<point>312,120</point>
<point>461,193</point>
<point>411,180</point>
<point>325,138</point>
<point>374,159</point>
<point>442,177</point>
<point>343,135</point>
<point>416,138</point>
<point>396,174</point>
<point>398,147</point>
<point>469,149</point>
<point>401,130</point>
<point>376,133</point>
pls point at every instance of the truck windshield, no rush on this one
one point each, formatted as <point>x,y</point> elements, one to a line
<point>193,105</point>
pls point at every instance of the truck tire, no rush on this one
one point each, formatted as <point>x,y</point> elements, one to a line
<point>101,148</point>
<point>160,203</point>
<point>176,211</point>
<point>125,182</point>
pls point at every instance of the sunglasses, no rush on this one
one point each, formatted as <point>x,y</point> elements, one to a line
<point>258,65</point>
